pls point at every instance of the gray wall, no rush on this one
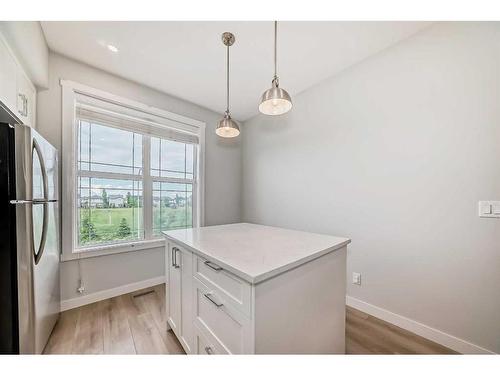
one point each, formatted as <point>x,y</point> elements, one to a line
<point>395,153</point>
<point>222,172</point>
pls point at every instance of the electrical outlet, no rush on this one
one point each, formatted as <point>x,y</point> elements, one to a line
<point>81,288</point>
<point>356,278</point>
<point>489,209</point>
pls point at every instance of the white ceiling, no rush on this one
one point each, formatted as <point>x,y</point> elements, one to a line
<point>187,59</point>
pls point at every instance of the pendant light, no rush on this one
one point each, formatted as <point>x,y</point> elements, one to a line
<point>276,100</point>
<point>227,127</point>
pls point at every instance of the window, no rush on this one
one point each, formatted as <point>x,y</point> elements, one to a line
<point>172,173</point>
<point>135,174</point>
<point>109,187</point>
<point>111,175</point>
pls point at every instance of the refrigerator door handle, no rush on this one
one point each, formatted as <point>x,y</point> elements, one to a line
<point>34,201</point>
<point>38,254</point>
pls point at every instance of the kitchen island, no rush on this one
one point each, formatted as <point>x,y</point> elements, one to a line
<point>246,288</point>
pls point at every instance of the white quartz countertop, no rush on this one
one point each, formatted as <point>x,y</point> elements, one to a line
<point>255,252</point>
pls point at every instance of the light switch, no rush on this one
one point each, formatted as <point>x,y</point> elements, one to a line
<point>356,278</point>
<point>489,209</point>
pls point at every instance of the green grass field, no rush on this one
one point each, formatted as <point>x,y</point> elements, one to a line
<point>102,225</point>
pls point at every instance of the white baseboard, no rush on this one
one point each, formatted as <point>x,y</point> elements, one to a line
<point>420,329</point>
<point>110,293</point>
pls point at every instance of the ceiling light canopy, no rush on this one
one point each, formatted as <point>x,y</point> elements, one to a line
<point>275,101</point>
<point>227,127</point>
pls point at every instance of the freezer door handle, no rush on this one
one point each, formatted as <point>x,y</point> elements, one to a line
<point>45,224</point>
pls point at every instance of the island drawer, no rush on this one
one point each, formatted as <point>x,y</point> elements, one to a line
<point>205,343</point>
<point>234,290</point>
<point>226,327</point>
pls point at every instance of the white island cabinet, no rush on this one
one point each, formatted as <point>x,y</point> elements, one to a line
<point>253,289</point>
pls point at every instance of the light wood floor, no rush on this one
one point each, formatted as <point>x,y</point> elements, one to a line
<point>366,334</point>
<point>135,324</point>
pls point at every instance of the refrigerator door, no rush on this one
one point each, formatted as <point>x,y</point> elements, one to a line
<point>46,240</point>
<point>38,238</point>
<point>9,335</point>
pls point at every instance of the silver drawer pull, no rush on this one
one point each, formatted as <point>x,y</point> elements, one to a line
<point>207,296</point>
<point>209,350</point>
<point>213,266</point>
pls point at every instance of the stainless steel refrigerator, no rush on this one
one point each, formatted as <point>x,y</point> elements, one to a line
<point>29,240</point>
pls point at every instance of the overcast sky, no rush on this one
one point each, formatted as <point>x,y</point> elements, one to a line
<point>123,149</point>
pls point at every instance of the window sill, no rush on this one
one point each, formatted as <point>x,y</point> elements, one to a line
<point>103,250</point>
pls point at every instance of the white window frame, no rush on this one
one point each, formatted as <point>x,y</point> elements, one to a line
<point>70,92</point>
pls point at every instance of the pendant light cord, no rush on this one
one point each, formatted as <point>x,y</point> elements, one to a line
<point>275,48</point>
<point>227,82</point>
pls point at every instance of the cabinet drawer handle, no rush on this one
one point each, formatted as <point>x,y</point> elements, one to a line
<point>207,296</point>
<point>174,257</point>
<point>213,266</point>
<point>209,350</point>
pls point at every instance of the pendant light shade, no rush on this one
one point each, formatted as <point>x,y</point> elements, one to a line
<point>276,100</point>
<point>227,127</point>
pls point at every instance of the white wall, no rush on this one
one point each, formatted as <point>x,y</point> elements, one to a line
<point>395,153</point>
<point>27,41</point>
<point>222,172</point>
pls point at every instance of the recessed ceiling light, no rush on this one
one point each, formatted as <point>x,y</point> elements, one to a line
<point>112,48</point>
